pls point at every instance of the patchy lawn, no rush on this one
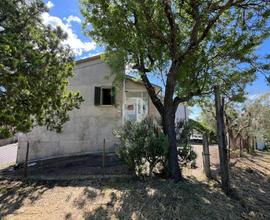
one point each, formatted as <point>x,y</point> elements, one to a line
<point>126,198</point>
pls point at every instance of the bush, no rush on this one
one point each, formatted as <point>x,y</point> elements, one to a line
<point>142,146</point>
<point>185,152</point>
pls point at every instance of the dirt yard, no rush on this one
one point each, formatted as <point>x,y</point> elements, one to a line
<point>128,198</point>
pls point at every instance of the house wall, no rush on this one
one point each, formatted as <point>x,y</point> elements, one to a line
<point>133,86</point>
<point>88,126</point>
<point>181,113</point>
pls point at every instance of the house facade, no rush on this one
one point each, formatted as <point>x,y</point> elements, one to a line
<point>104,109</point>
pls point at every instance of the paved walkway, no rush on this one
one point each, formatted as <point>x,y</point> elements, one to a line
<point>8,154</point>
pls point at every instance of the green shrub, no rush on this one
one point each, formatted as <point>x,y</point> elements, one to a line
<point>142,145</point>
<point>185,151</point>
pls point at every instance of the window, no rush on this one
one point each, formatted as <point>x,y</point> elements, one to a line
<point>136,105</point>
<point>104,96</point>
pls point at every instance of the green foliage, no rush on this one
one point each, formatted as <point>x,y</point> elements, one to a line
<point>215,40</point>
<point>185,151</point>
<point>189,45</point>
<point>143,145</point>
<point>248,119</point>
<point>259,109</point>
<point>198,126</point>
<point>34,68</point>
<point>142,142</point>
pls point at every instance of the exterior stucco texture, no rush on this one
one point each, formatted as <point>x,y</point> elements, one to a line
<point>88,126</point>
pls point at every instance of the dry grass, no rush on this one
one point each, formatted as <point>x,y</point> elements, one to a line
<point>126,198</point>
<point>250,176</point>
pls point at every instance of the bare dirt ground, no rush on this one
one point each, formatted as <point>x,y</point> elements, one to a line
<point>250,176</point>
<point>129,198</point>
<point>214,161</point>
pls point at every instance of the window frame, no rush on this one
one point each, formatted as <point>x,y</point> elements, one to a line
<point>144,98</point>
<point>101,95</point>
<point>100,88</point>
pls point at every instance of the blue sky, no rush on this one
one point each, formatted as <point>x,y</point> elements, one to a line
<point>66,14</point>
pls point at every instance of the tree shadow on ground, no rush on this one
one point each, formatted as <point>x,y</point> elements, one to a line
<point>250,181</point>
<point>253,187</point>
<point>151,198</point>
<point>130,198</point>
<point>13,193</point>
<point>163,199</point>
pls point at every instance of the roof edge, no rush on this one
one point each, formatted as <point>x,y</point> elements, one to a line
<point>133,79</point>
<point>98,57</point>
<point>88,59</point>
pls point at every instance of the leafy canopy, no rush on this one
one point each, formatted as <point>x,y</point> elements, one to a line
<point>193,44</point>
<point>247,119</point>
<point>34,68</point>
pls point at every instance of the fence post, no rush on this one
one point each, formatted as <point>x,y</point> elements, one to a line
<point>206,156</point>
<point>223,151</point>
<point>103,157</point>
<point>26,160</point>
<point>241,147</point>
<point>228,146</point>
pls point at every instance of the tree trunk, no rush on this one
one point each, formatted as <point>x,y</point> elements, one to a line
<point>233,141</point>
<point>248,144</point>
<point>224,168</point>
<point>167,111</point>
<point>169,130</point>
<point>255,145</point>
<point>241,147</point>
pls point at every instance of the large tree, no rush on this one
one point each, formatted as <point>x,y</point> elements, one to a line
<point>192,44</point>
<point>248,119</point>
<point>34,68</point>
<point>258,110</point>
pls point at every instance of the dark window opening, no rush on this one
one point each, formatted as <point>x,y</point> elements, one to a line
<point>106,96</point>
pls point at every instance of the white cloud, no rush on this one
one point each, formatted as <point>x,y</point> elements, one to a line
<point>49,4</point>
<point>72,18</point>
<point>76,44</point>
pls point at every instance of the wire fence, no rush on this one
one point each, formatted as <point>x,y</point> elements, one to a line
<point>100,161</point>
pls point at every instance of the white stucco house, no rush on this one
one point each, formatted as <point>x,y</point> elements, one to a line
<point>104,109</point>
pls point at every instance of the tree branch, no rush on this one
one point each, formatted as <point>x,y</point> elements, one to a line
<point>152,93</point>
<point>148,85</point>
<point>177,100</point>
<point>173,27</point>
<point>197,22</point>
<point>196,40</point>
<point>154,31</point>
